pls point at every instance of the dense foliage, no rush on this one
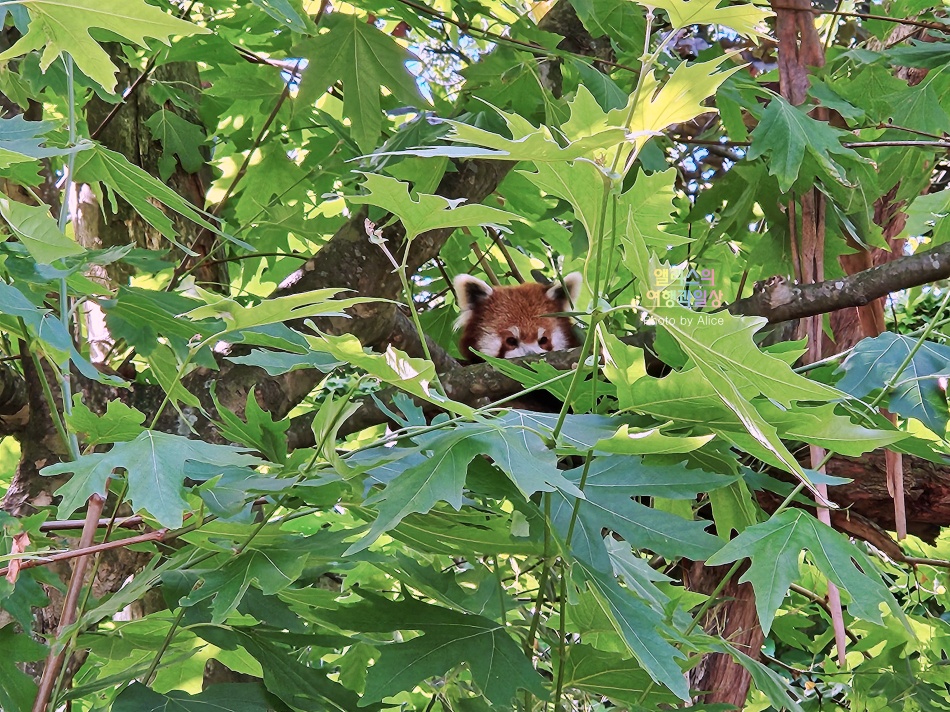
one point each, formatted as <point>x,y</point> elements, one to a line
<point>304,509</point>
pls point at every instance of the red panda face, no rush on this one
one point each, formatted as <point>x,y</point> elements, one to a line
<point>508,322</point>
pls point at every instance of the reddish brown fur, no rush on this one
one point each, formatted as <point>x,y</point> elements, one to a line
<point>513,314</point>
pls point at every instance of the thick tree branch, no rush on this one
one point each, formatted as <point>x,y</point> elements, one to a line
<point>779,300</point>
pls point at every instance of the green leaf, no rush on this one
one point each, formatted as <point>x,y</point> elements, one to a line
<point>17,689</point>
<point>822,426</point>
<point>681,98</point>
<point>649,441</point>
<point>141,190</point>
<point>303,686</point>
<point>155,470</point>
<point>746,19</point>
<point>21,141</point>
<point>917,393</point>
<point>237,316</point>
<point>589,132</point>
<point>166,368</point>
<point>767,681</point>
<point>238,697</point>
<point>276,363</point>
<point>140,316</point>
<point>439,477</point>
<point>179,138</point>
<point>453,533</point>
<point>449,638</point>
<point>426,212</point>
<point>612,484</point>
<point>274,561</point>
<point>35,228</point>
<point>787,134</point>
<point>640,627</point>
<point>774,548</point>
<point>733,508</point>
<point>615,18</point>
<point>721,346</point>
<point>365,60</point>
<point>601,673</point>
<point>59,26</point>
<point>119,423</point>
<point>412,375</point>
<point>49,332</point>
<point>267,436</point>
<point>286,13</point>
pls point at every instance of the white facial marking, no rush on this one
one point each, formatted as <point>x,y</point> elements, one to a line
<point>524,349</point>
<point>559,340</point>
<point>489,344</point>
<point>515,331</point>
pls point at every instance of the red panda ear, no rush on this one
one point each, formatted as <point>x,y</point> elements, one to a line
<point>572,283</point>
<point>470,291</point>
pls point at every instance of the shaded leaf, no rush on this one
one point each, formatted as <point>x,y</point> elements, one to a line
<point>237,697</point>
<point>365,60</point>
<point>774,548</point>
<point>917,392</point>
<point>155,469</point>
<point>449,638</point>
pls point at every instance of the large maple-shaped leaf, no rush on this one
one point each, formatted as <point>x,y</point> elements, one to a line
<point>746,19</point>
<point>601,673</point>
<point>119,423</point>
<point>58,26</point>
<point>688,398</point>
<point>179,138</point>
<point>140,316</point>
<point>516,449</point>
<point>774,548</point>
<point>612,483</point>
<point>438,478</point>
<point>681,98</point>
<point>787,134</point>
<point>449,638</point>
<point>155,469</point>
<point>587,133</point>
<point>237,316</point>
<point>917,392</point>
<point>366,60</point>
<point>426,212</point>
<point>275,561</point>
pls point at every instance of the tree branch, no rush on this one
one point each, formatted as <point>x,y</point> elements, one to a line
<point>779,300</point>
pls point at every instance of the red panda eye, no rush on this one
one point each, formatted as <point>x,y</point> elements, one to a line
<point>543,341</point>
<point>511,341</point>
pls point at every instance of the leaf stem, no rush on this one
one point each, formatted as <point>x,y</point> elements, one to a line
<point>543,578</point>
<point>153,668</point>
<point>562,628</point>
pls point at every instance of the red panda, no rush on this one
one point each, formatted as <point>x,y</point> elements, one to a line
<point>508,322</point>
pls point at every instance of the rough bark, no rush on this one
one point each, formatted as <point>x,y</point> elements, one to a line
<point>717,677</point>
